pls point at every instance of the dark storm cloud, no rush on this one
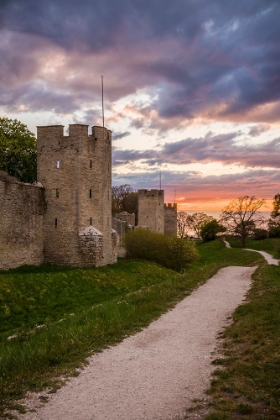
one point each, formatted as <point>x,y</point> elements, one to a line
<point>217,59</point>
<point>118,136</point>
<point>211,148</point>
<point>38,98</point>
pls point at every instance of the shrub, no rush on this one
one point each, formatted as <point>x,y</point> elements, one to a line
<point>260,234</point>
<point>274,232</point>
<point>209,230</point>
<point>171,252</point>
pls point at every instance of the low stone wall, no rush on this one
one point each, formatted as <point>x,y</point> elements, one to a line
<point>22,208</point>
<point>129,218</point>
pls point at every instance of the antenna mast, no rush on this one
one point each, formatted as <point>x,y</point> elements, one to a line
<point>102,100</point>
<point>160,180</point>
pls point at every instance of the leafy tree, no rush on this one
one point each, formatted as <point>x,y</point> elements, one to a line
<point>276,206</point>
<point>198,221</point>
<point>260,234</point>
<point>241,217</point>
<point>18,150</point>
<point>209,230</point>
<point>274,221</point>
<point>130,203</point>
<point>124,198</point>
<point>184,223</point>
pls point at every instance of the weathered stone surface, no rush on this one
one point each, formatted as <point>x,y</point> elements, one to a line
<point>22,208</point>
<point>68,220</point>
<point>76,173</point>
<point>151,210</point>
<point>126,217</point>
<point>170,219</point>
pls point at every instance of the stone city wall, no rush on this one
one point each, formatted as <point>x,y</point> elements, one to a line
<point>170,219</point>
<point>22,208</point>
<point>76,173</point>
<point>151,210</point>
<point>126,217</point>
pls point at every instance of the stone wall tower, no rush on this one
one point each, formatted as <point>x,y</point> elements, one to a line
<point>170,219</point>
<point>151,210</point>
<point>75,171</point>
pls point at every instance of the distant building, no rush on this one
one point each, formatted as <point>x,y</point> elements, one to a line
<point>170,219</point>
<point>151,210</point>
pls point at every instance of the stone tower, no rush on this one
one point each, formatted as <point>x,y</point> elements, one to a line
<point>75,171</point>
<point>170,219</point>
<point>151,210</point>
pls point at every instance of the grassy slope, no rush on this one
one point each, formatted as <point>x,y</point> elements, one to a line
<point>247,382</point>
<point>271,245</point>
<point>99,307</point>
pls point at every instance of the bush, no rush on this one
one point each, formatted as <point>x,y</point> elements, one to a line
<point>260,234</point>
<point>209,230</point>
<point>274,232</point>
<point>171,252</point>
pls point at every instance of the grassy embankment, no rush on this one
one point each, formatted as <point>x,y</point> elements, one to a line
<point>100,306</point>
<point>246,383</point>
<point>84,310</point>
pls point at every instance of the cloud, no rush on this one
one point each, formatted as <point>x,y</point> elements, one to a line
<point>118,136</point>
<point>211,148</point>
<point>256,130</point>
<point>191,187</point>
<point>205,60</point>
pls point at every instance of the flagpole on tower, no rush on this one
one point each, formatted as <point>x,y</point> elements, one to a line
<point>102,100</point>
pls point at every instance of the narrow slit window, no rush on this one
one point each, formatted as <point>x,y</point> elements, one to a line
<point>58,164</point>
<point>55,222</point>
<point>90,193</point>
<point>57,193</point>
<point>90,221</point>
<point>90,164</point>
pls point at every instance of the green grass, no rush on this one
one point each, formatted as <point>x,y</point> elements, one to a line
<point>83,311</point>
<point>247,383</point>
<point>270,245</point>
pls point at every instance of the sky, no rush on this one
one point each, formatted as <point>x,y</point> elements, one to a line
<point>191,88</point>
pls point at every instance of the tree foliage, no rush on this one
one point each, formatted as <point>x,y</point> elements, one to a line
<point>124,198</point>
<point>241,217</point>
<point>171,252</point>
<point>210,230</point>
<point>198,221</point>
<point>18,150</point>
<point>274,221</point>
<point>184,224</point>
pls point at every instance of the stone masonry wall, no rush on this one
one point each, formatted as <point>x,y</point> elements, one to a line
<point>151,210</point>
<point>76,173</point>
<point>170,219</point>
<point>126,217</point>
<point>22,208</point>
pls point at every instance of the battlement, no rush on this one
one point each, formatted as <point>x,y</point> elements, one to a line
<point>171,206</point>
<point>151,193</point>
<point>75,130</point>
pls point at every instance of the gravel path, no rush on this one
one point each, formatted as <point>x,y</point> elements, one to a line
<point>269,259</point>
<point>156,373</point>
